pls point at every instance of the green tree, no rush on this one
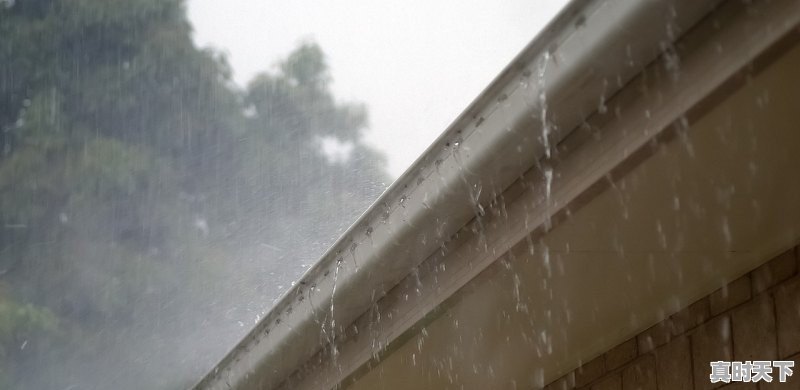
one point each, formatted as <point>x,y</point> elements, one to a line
<point>139,189</point>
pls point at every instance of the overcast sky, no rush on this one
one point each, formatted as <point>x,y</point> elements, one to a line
<point>416,64</point>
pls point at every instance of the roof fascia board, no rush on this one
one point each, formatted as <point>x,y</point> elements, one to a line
<point>585,55</point>
<point>580,174</point>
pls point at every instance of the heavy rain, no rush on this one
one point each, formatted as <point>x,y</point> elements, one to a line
<point>313,196</point>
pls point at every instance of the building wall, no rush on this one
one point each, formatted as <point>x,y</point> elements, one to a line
<point>668,232</point>
<point>755,317</point>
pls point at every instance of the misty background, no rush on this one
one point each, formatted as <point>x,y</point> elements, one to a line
<point>417,64</point>
<point>157,195</point>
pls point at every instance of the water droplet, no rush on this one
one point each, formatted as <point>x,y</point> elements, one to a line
<point>601,107</point>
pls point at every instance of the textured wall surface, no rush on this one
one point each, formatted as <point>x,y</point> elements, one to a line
<point>755,317</point>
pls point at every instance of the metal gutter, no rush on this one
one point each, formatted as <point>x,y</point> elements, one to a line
<point>589,51</point>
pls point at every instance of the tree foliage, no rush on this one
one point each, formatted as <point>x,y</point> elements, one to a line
<point>148,205</point>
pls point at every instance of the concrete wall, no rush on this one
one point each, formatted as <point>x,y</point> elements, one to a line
<point>755,317</point>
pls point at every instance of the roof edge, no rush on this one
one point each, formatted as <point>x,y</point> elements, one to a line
<point>589,51</point>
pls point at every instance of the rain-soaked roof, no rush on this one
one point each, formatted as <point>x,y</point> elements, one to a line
<point>170,168</point>
<point>503,133</point>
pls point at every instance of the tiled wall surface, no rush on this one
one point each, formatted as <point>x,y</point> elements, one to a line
<point>756,317</point>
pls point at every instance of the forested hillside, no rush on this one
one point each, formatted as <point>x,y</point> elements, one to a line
<point>150,210</point>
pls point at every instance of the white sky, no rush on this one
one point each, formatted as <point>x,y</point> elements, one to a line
<point>416,64</point>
